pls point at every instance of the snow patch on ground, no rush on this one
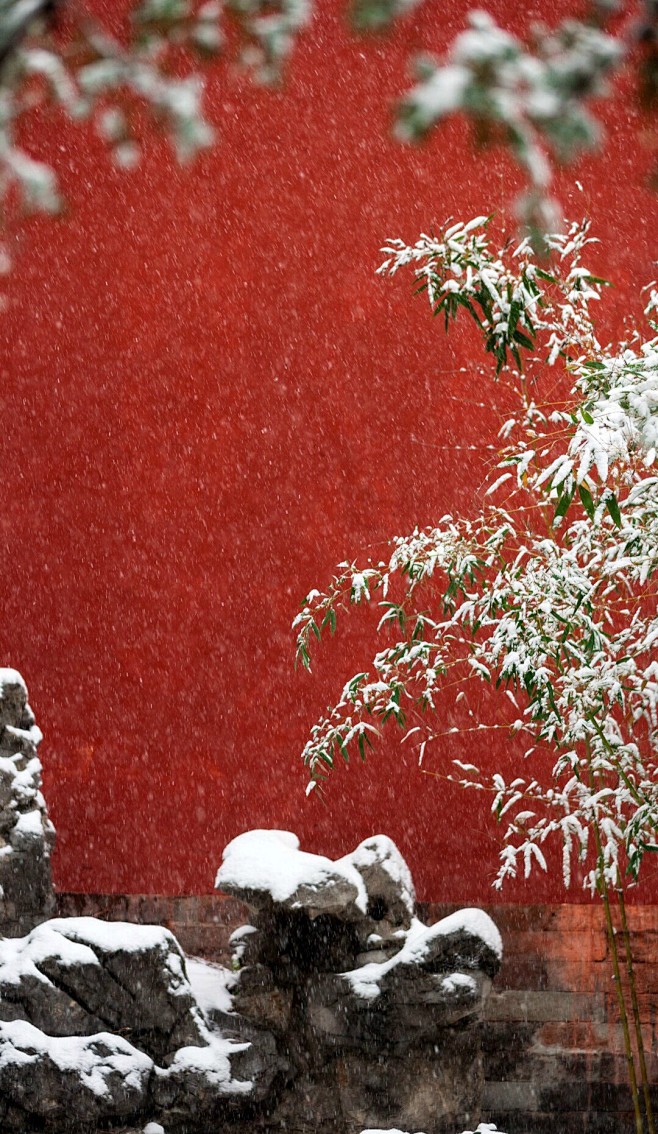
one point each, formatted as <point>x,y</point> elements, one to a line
<point>483,1128</point>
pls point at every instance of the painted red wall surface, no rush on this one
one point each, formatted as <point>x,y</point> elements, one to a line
<point>208,399</point>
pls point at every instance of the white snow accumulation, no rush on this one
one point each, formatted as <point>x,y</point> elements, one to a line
<point>211,985</point>
<point>365,981</point>
<point>22,780</point>
<point>271,862</point>
<point>381,850</point>
<point>21,956</point>
<point>211,1063</point>
<point>29,825</point>
<point>112,936</point>
<point>78,940</point>
<point>473,921</point>
<point>483,1128</point>
<point>12,677</point>
<point>94,1059</point>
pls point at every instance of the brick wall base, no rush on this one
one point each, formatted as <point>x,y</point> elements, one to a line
<point>554,1053</point>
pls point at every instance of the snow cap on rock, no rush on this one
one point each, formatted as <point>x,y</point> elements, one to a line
<point>263,865</point>
<point>386,876</point>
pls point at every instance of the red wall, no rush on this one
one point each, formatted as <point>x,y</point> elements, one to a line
<point>208,399</point>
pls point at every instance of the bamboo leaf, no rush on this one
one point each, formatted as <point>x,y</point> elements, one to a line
<point>612,505</point>
<point>586,500</point>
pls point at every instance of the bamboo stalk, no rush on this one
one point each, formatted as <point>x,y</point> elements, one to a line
<point>636,1012</point>
<point>604,894</point>
<point>614,953</point>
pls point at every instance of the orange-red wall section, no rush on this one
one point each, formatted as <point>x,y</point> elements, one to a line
<point>208,399</point>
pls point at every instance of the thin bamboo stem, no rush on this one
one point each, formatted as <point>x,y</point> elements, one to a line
<point>602,888</point>
<point>636,1012</point>
<point>623,1014</point>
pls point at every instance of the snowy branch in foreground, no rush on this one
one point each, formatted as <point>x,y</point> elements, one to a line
<point>532,97</point>
<point>89,73</point>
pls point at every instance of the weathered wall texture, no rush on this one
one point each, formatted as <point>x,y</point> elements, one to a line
<point>552,1039</point>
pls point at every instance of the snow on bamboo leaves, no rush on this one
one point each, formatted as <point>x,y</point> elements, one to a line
<point>544,592</point>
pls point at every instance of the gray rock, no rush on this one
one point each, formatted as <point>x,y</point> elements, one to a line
<point>388,881</point>
<point>14,709</point>
<point>260,999</point>
<point>76,976</point>
<point>437,1089</point>
<point>411,1009</point>
<point>68,1081</point>
<point>26,834</point>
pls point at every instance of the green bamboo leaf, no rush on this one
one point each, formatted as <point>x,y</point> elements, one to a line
<point>523,340</point>
<point>563,504</point>
<point>612,505</point>
<point>586,500</point>
<point>514,313</point>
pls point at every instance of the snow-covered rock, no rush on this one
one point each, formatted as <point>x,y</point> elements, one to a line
<point>99,1021</point>
<point>440,977</point>
<point>267,867</point>
<point>26,834</point>
<point>68,1080</point>
<point>198,1079</point>
<point>343,1011</point>
<point>78,976</point>
<point>378,1014</point>
<point>387,878</point>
